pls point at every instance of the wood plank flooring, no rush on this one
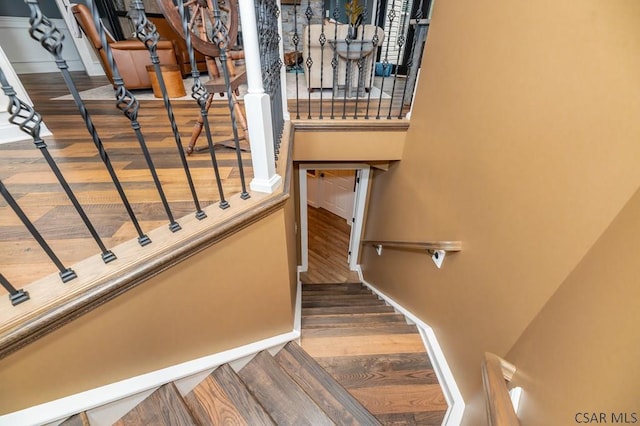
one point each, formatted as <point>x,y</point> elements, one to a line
<point>328,248</point>
<point>31,182</point>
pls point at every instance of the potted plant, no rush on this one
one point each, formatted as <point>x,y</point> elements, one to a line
<point>354,15</point>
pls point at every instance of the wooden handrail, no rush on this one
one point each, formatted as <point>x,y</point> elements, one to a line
<point>422,245</point>
<point>495,373</point>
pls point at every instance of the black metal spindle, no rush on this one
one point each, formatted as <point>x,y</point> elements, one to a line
<point>147,33</point>
<point>66,274</point>
<point>323,40</point>
<point>29,121</point>
<point>334,61</point>
<point>410,64</point>
<point>267,13</point>
<point>15,296</point>
<point>400,42</point>
<point>361,61</point>
<point>200,94</point>
<point>296,39</point>
<point>385,63</point>
<point>43,31</point>
<point>374,40</point>
<point>129,105</point>
<point>308,13</point>
<point>347,76</point>
<point>220,37</point>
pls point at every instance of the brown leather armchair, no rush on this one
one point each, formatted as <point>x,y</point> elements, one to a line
<point>130,56</point>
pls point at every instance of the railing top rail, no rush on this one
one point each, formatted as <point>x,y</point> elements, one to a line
<point>495,372</point>
<point>420,245</point>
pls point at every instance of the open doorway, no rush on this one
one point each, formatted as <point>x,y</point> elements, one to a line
<point>332,202</point>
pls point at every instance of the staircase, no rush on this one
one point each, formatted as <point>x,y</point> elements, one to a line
<point>360,357</point>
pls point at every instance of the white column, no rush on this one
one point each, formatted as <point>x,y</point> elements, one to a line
<point>257,106</point>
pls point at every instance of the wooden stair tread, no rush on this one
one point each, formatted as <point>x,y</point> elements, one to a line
<point>347,310</point>
<point>164,406</point>
<point>359,320</point>
<point>355,292</point>
<point>375,370</point>
<point>330,303</point>
<point>360,330</point>
<point>337,298</point>
<point>332,286</point>
<point>210,405</point>
<point>334,400</point>
<point>285,401</point>
<point>240,396</point>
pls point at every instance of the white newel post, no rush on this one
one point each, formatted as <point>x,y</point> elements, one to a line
<point>258,107</point>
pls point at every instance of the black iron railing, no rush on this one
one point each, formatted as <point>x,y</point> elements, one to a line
<point>362,67</point>
<point>29,121</point>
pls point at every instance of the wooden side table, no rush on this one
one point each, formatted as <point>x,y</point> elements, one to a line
<point>172,77</point>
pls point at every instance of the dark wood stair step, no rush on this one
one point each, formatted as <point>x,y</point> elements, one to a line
<point>354,292</point>
<point>211,405</point>
<point>239,396</point>
<point>329,302</point>
<point>165,406</point>
<point>360,330</point>
<point>283,399</point>
<point>344,287</point>
<point>347,310</point>
<point>380,370</point>
<point>334,400</point>
<point>341,297</point>
<point>357,320</point>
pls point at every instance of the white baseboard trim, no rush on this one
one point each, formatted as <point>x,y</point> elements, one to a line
<point>453,416</point>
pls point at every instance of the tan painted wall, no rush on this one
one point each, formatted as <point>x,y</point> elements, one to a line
<point>231,294</point>
<point>524,145</point>
<point>378,145</point>
<point>580,354</point>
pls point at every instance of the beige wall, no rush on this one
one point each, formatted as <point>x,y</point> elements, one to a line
<point>580,354</point>
<point>231,294</point>
<point>349,145</point>
<point>524,145</point>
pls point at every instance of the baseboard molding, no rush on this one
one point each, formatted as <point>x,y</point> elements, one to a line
<point>26,55</point>
<point>127,390</point>
<point>453,416</point>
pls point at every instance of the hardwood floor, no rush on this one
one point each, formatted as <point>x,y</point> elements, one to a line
<point>328,247</point>
<point>30,181</point>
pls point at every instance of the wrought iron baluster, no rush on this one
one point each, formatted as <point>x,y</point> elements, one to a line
<point>15,296</point>
<point>50,38</point>
<point>385,63</point>
<point>308,13</point>
<point>334,61</point>
<point>66,274</point>
<point>220,37</point>
<point>147,33</point>
<point>401,41</point>
<point>374,40</point>
<point>323,40</point>
<point>347,76</point>
<point>129,105</point>
<point>200,94</point>
<point>361,61</point>
<point>296,39</point>
<point>410,63</point>
<point>29,121</point>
